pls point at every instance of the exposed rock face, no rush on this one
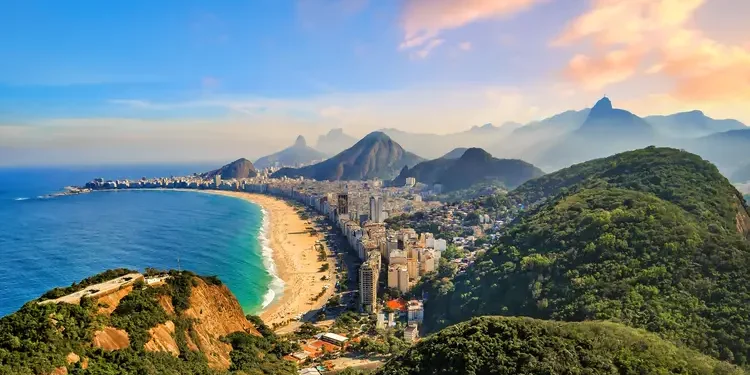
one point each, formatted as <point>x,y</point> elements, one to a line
<point>110,338</point>
<point>166,304</point>
<point>162,339</point>
<point>109,303</point>
<point>743,219</point>
<point>217,314</point>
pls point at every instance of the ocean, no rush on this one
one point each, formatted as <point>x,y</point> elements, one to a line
<point>51,242</point>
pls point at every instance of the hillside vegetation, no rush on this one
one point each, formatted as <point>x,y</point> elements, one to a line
<point>474,166</point>
<point>498,345</point>
<point>60,338</point>
<point>647,238</point>
<point>672,175</point>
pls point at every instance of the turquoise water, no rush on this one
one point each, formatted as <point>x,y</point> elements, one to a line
<point>52,242</point>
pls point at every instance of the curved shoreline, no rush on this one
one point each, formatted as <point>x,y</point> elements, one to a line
<point>293,258</point>
<point>292,264</point>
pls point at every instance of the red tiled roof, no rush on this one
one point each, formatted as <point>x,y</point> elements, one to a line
<point>314,348</point>
<point>396,304</point>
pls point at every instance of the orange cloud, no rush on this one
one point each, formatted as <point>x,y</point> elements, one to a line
<point>705,69</point>
<point>659,31</point>
<point>424,20</point>
<point>598,72</point>
<point>628,22</point>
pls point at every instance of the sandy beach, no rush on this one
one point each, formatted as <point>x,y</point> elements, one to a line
<point>295,258</point>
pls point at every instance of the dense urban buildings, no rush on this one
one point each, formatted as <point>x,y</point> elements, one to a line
<point>392,258</point>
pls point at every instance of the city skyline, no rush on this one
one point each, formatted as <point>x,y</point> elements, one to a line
<point>190,81</point>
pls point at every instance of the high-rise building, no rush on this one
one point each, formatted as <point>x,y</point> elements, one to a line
<point>368,286</point>
<point>376,209</point>
<point>398,277</point>
<point>397,257</point>
<point>413,268</point>
<point>415,311</point>
<point>410,182</point>
<point>343,204</point>
<point>217,181</point>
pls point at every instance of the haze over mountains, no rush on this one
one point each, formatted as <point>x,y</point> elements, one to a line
<point>297,154</point>
<point>579,135</point>
<point>334,142</point>
<point>556,142</point>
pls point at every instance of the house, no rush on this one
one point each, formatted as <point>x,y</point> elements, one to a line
<point>411,333</point>
<point>334,339</point>
<point>415,311</point>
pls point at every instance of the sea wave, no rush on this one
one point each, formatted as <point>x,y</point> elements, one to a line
<point>276,286</point>
<point>21,199</point>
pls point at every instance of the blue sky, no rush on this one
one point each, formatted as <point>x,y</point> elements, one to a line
<point>244,77</point>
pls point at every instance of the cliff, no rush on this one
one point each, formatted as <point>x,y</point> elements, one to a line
<point>186,324</point>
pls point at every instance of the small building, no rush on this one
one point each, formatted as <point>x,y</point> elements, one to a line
<point>334,339</point>
<point>415,311</point>
<point>380,324</point>
<point>411,333</point>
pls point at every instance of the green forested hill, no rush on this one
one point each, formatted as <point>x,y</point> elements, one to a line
<point>673,175</point>
<point>648,238</point>
<point>498,345</point>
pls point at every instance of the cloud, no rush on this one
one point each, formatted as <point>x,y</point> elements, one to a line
<point>594,73</point>
<point>424,20</point>
<point>427,48</point>
<point>628,22</point>
<point>465,46</point>
<point>661,33</point>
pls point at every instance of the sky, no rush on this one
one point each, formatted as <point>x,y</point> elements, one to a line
<point>92,82</point>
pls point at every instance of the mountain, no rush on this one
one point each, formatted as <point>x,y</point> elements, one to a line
<point>474,166</point>
<point>374,156</point>
<point>742,175</point>
<point>240,168</point>
<point>500,345</point>
<point>334,142</point>
<point>729,150</point>
<point>455,153</point>
<point>533,139</point>
<point>656,239</point>
<point>691,124</point>
<point>604,119</point>
<point>435,145</point>
<point>606,130</point>
<point>186,325</point>
<point>297,154</point>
